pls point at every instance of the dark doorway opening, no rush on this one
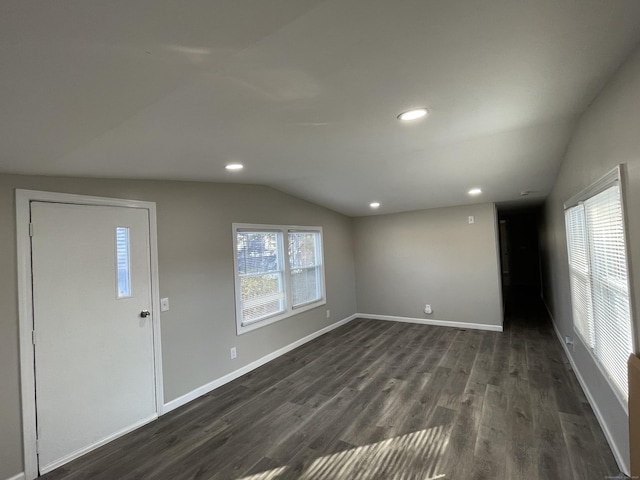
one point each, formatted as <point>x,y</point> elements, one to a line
<point>520,259</point>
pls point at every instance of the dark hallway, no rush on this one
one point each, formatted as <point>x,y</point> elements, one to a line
<point>520,262</point>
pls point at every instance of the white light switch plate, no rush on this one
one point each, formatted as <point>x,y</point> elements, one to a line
<point>471,219</point>
<point>164,304</point>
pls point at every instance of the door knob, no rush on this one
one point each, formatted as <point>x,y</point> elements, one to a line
<point>145,313</point>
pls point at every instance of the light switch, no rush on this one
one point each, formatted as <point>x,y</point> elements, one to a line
<point>164,304</point>
<point>471,219</point>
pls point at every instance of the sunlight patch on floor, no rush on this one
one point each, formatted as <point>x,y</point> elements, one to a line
<point>408,457</point>
<point>268,475</point>
<point>414,456</point>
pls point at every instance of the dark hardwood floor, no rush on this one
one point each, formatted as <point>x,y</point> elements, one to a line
<point>381,400</point>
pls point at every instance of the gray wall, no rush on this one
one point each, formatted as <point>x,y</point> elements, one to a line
<point>608,134</point>
<point>406,260</point>
<point>196,272</point>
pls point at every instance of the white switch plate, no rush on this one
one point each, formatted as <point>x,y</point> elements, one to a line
<point>164,304</point>
<point>471,219</point>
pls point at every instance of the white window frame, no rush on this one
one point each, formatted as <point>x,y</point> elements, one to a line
<point>289,309</point>
<point>615,176</point>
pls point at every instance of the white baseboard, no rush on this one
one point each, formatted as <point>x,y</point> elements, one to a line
<point>203,390</point>
<point>93,446</point>
<point>620,459</point>
<point>438,323</point>
<point>19,476</point>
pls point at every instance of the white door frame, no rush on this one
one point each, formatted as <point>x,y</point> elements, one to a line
<point>25,305</point>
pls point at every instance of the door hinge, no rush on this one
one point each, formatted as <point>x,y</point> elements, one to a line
<point>31,229</point>
<point>33,336</point>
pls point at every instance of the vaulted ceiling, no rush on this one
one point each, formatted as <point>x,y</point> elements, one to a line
<point>305,93</point>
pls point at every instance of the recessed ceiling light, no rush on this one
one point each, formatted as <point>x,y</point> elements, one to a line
<point>413,114</point>
<point>374,204</point>
<point>474,191</point>
<point>234,166</point>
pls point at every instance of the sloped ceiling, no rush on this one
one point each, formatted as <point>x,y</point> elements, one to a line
<point>305,93</point>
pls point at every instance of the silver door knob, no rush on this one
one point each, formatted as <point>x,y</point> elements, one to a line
<point>145,313</point>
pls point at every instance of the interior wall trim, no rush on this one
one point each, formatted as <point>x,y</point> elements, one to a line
<point>620,458</point>
<point>437,323</point>
<point>204,389</point>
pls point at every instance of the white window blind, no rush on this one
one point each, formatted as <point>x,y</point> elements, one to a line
<point>579,273</point>
<point>599,284</point>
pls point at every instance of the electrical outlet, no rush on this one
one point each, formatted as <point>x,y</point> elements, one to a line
<point>427,309</point>
<point>234,353</point>
<point>328,313</point>
<point>569,341</point>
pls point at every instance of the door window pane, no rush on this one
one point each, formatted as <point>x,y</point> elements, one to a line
<point>123,262</point>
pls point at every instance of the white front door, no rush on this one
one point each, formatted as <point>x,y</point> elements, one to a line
<point>94,351</point>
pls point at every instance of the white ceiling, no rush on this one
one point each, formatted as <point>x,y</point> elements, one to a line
<point>305,93</point>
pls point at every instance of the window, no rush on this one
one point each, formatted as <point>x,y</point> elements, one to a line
<point>598,276</point>
<point>260,274</point>
<point>306,267</point>
<point>279,272</point>
<point>123,275</point>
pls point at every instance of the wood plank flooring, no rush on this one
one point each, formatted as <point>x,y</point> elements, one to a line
<point>380,400</point>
